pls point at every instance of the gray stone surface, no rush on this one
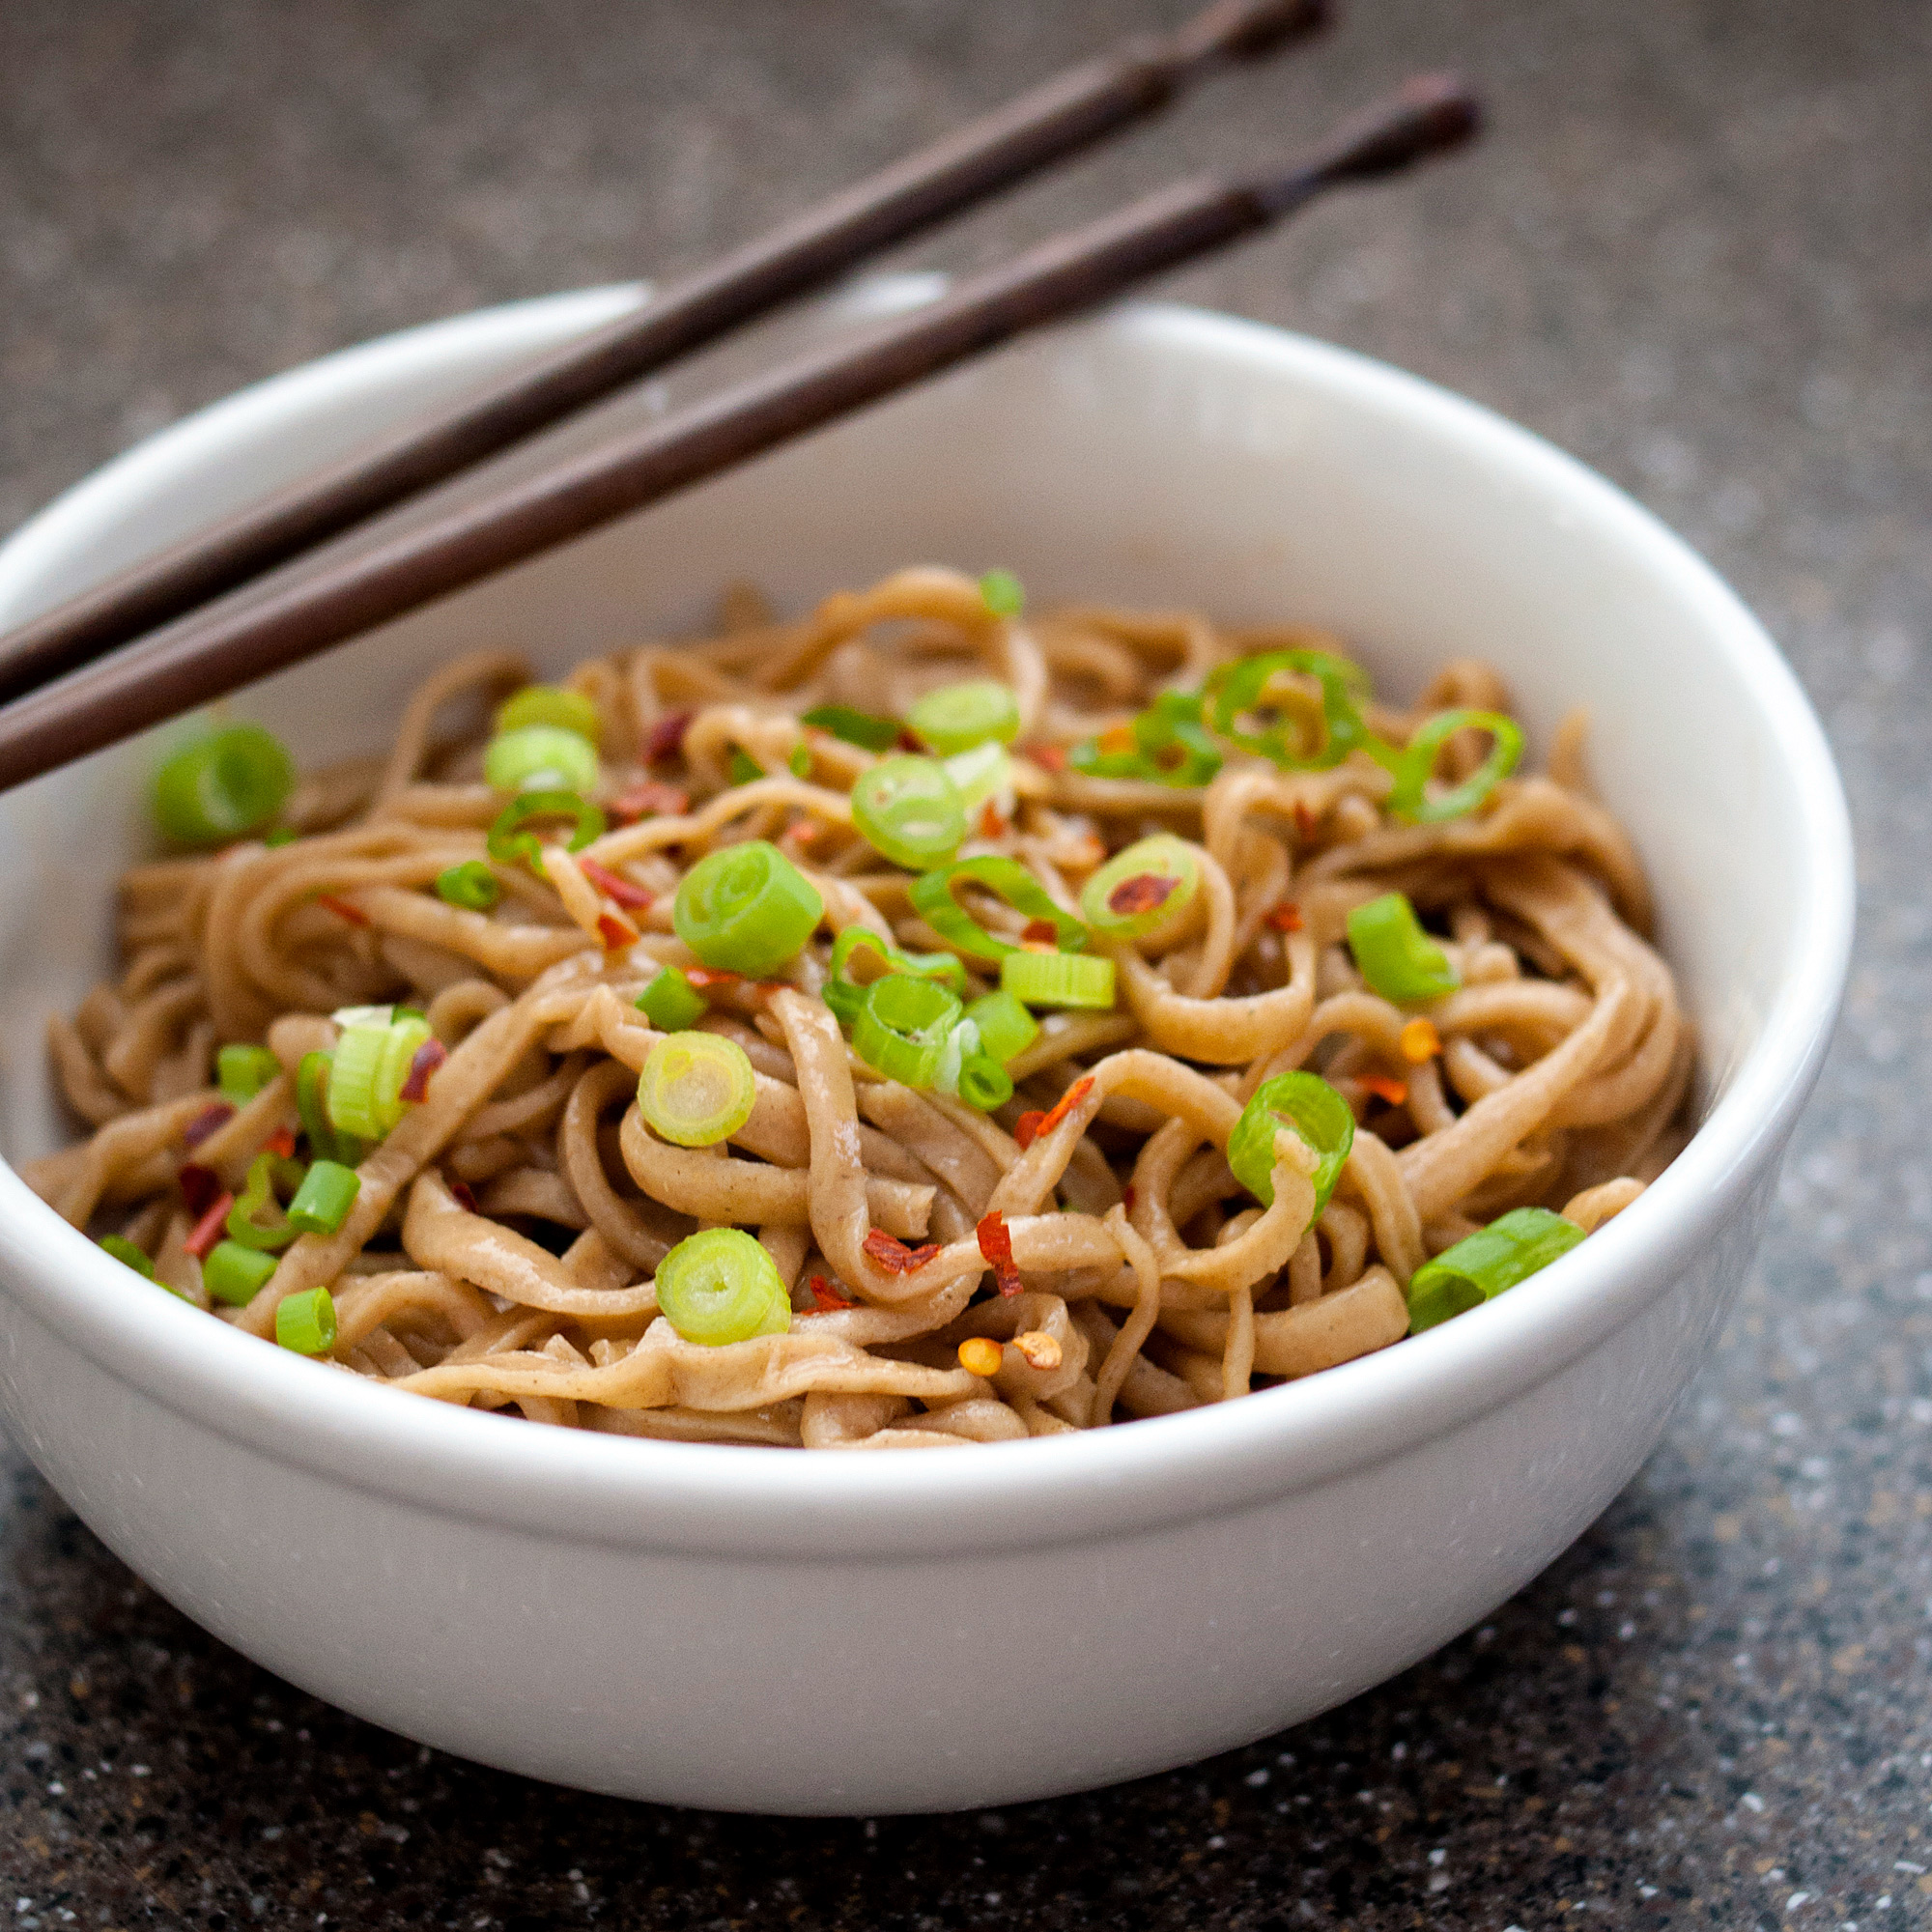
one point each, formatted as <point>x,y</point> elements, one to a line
<point>1697,250</point>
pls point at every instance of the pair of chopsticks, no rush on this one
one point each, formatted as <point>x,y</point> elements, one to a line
<point>296,574</point>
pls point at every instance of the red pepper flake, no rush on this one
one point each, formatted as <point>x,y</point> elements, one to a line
<point>1304,822</point>
<point>828,1299</point>
<point>996,1247</point>
<point>1066,1104</point>
<point>1040,932</point>
<point>615,934</point>
<point>614,887</point>
<point>465,1196</point>
<point>1127,1196</point>
<point>1286,917</point>
<point>992,822</point>
<point>211,1226</point>
<point>647,801</point>
<point>215,1115</point>
<point>908,742</point>
<point>429,1056</point>
<point>199,1185</point>
<point>342,909</point>
<point>894,1256</point>
<point>1026,1130</point>
<point>703,977</point>
<point>1140,894</point>
<point>281,1143</point>
<point>1394,1091</point>
<point>1048,758</point>
<point>665,738</point>
<point>1118,738</point>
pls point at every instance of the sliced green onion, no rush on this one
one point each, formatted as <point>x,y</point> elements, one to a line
<point>127,1255</point>
<point>671,1002</point>
<point>697,1088</point>
<point>549,704</point>
<point>1140,891</point>
<point>1315,1112</point>
<point>1398,959</point>
<point>235,1274</point>
<point>983,1083</point>
<point>312,1105</point>
<point>719,1286</point>
<point>323,1201</point>
<point>244,1224</point>
<point>909,809</point>
<point>932,898</point>
<point>223,785</point>
<point>746,909</point>
<point>1006,1028</point>
<point>855,728</point>
<point>904,1025</point>
<point>1170,746</point>
<point>1481,1266</point>
<point>471,885</point>
<point>1409,800</point>
<point>744,769</point>
<point>241,1071</point>
<point>510,839</point>
<point>282,834</point>
<point>980,774</point>
<point>957,717</point>
<point>541,758</point>
<point>1003,593</point>
<point>305,1323</point>
<point>845,995</point>
<point>371,1067</point>
<point>799,764</point>
<point>1057,978</point>
<point>1234,689</point>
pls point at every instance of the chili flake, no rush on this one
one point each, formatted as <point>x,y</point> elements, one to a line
<point>1286,917</point>
<point>428,1057</point>
<point>981,1355</point>
<point>996,1248</point>
<point>614,887</point>
<point>894,1256</point>
<point>199,1185</point>
<point>281,1143</point>
<point>211,1228</point>
<point>650,800</point>
<point>465,1196</point>
<point>1140,894</point>
<point>1048,758</point>
<point>1040,1349</point>
<point>665,738</point>
<point>1394,1091</point>
<point>1420,1041</point>
<point>828,1299</point>
<point>615,934</point>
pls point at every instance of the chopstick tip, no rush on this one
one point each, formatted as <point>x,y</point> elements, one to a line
<point>1248,29</point>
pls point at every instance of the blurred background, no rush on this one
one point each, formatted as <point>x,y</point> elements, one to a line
<point>1696,250</point>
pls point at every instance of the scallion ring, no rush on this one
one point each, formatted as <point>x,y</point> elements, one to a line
<point>909,809</point>
<point>746,909</point>
<point>1410,799</point>
<point>305,1323</point>
<point>129,1255</point>
<point>933,900</point>
<point>541,758</point>
<point>366,1079</point>
<point>980,774</point>
<point>471,885</point>
<point>1002,593</point>
<point>719,1286</point>
<point>845,995</point>
<point>1481,1266</point>
<point>223,785</point>
<point>323,1201</point>
<point>1058,979</point>
<point>671,1002</point>
<point>902,1027</point>
<point>551,704</point>
<point>1307,1103</point>
<point>243,1071</point>
<point>244,1223</point>
<point>957,717</point>
<point>853,727</point>
<point>983,1083</point>
<point>510,837</point>
<point>1232,689</point>
<point>1006,1028</point>
<point>235,1275</point>
<point>1142,890</point>
<point>1398,959</point>
<point>697,1088</point>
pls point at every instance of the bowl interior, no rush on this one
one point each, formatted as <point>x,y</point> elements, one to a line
<point>1156,456</point>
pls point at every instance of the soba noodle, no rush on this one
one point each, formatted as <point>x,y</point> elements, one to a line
<point>503,1246</point>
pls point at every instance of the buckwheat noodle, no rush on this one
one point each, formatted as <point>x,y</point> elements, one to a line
<point>502,1247</point>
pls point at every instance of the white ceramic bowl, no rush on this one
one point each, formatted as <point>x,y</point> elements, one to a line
<point>868,1633</point>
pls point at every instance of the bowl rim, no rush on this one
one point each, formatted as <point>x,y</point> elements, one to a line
<point>596,1488</point>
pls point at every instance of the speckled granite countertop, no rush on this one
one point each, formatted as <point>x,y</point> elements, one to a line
<point>1696,250</point>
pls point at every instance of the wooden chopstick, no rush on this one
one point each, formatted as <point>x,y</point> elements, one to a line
<point>356,583</point>
<point>1068,112</point>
